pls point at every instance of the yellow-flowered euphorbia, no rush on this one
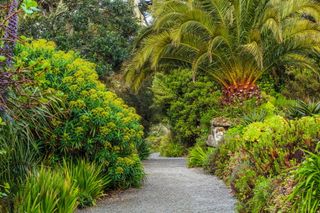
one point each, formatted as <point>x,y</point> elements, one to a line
<point>95,123</point>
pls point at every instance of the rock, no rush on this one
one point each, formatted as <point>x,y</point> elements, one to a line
<point>210,141</point>
<point>221,122</point>
<point>216,137</point>
<point>219,126</point>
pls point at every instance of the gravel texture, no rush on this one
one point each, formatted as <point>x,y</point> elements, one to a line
<point>170,187</point>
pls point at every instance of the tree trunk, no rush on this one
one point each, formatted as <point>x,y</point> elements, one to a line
<point>240,93</point>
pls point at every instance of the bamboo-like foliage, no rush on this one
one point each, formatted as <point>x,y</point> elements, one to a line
<point>234,41</point>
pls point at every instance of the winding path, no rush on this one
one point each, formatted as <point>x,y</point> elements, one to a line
<point>170,187</point>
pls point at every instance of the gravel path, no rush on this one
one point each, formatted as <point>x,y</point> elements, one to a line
<point>170,187</point>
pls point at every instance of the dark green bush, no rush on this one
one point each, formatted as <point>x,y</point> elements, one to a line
<point>22,121</point>
<point>188,105</point>
<point>92,122</point>
<point>101,31</point>
<point>143,149</point>
<point>303,84</point>
<point>261,194</point>
<point>254,116</point>
<point>19,153</point>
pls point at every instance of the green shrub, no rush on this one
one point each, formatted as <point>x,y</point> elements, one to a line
<point>100,31</point>
<point>220,157</point>
<point>19,155</point>
<point>156,134</point>
<point>243,183</point>
<point>88,178</point>
<point>275,144</point>
<point>198,156</point>
<point>143,149</point>
<point>306,194</point>
<point>267,84</point>
<point>92,122</point>
<point>47,191</point>
<point>23,120</point>
<point>5,192</point>
<point>169,148</point>
<point>261,151</point>
<point>188,105</point>
<point>261,194</point>
<point>301,84</point>
<point>282,104</point>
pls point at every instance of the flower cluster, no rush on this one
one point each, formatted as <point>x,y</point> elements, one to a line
<point>126,169</point>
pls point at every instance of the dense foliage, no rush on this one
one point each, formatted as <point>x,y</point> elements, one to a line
<point>89,179</point>
<point>100,30</point>
<point>199,156</point>
<point>306,194</point>
<point>47,191</point>
<point>92,121</point>
<point>188,105</point>
<point>302,84</point>
<point>261,153</point>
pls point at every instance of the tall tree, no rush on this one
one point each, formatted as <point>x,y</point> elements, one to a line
<point>234,41</point>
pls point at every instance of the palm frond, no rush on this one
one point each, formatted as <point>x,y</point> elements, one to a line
<point>233,41</point>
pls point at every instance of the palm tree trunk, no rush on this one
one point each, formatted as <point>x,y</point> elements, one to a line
<point>240,93</point>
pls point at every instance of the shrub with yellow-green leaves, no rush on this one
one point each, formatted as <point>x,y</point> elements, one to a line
<point>93,122</point>
<point>257,160</point>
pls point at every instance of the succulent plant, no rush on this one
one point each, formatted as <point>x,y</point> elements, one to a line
<point>302,109</point>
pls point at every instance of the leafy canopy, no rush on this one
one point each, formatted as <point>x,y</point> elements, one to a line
<point>100,30</point>
<point>233,41</point>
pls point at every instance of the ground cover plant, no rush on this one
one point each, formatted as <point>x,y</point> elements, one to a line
<point>305,195</point>
<point>255,157</point>
<point>47,191</point>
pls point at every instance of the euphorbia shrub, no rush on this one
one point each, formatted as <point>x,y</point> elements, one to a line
<point>93,122</point>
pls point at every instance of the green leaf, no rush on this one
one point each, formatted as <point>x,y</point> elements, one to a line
<point>29,6</point>
<point>2,58</point>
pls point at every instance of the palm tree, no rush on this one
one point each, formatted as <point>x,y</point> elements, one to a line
<point>234,41</point>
